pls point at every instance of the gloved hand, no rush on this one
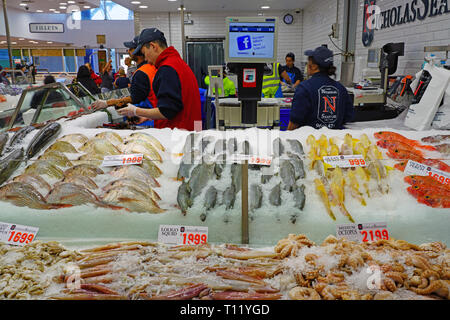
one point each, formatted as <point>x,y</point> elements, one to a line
<point>100,104</point>
<point>129,111</point>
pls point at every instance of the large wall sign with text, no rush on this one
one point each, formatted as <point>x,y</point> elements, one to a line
<point>411,11</point>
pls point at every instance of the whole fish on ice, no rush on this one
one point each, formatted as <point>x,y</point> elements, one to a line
<point>10,163</point>
<point>44,136</point>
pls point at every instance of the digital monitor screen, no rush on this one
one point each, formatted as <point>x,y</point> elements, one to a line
<point>251,40</point>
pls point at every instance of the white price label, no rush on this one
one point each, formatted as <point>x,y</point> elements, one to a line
<point>363,232</point>
<point>189,235</point>
<point>255,160</point>
<point>349,161</point>
<point>122,160</point>
<point>419,169</point>
<point>17,234</point>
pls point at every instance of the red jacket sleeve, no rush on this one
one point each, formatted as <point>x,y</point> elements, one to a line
<point>96,78</point>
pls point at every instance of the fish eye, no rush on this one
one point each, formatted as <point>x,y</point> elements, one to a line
<point>427,197</point>
<point>416,187</point>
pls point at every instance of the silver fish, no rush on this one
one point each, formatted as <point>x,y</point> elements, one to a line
<point>10,163</point>
<point>18,137</point>
<point>44,136</point>
<point>136,173</point>
<point>236,176</point>
<point>297,162</point>
<point>245,148</point>
<point>57,158</point>
<point>210,201</point>
<point>220,146</point>
<point>229,196</point>
<point>70,193</point>
<point>218,169</point>
<point>131,199</point>
<point>296,146</point>
<point>83,170</point>
<point>278,148</point>
<point>299,200</point>
<point>200,176</point>
<point>36,181</point>
<point>141,187</point>
<point>189,144</point>
<point>187,162</point>
<point>25,195</point>
<point>81,180</point>
<point>3,141</point>
<point>184,197</point>
<point>275,195</point>
<point>255,197</point>
<point>41,167</point>
<point>287,173</point>
<point>112,137</point>
<point>74,138</point>
<point>232,145</point>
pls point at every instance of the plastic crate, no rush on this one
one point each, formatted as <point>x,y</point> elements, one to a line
<point>284,118</point>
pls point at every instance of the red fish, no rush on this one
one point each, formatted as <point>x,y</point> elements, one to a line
<point>401,154</point>
<point>426,180</point>
<point>386,144</point>
<point>388,135</point>
<point>435,200</point>
<point>418,191</point>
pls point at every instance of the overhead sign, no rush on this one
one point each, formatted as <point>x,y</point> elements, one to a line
<point>46,27</point>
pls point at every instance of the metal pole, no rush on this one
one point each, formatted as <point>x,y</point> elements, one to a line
<point>8,40</point>
<point>245,233</point>
<point>183,38</point>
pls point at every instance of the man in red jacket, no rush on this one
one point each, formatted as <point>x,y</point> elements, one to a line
<point>174,84</point>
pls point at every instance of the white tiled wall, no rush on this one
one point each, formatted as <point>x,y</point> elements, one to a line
<point>317,20</point>
<point>212,24</point>
<point>432,31</point>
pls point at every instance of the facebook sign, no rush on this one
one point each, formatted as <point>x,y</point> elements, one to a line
<point>244,43</point>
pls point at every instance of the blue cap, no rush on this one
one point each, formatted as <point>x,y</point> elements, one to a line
<point>132,44</point>
<point>322,55</point>
<point>148,35</point>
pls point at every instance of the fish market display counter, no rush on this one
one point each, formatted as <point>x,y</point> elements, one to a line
<point>64,189</point>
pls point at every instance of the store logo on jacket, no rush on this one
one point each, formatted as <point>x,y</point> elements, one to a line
<point>328,98</point>
<point>244,43</point>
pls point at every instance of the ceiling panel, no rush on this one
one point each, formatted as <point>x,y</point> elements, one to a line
<point>213,5</point>
<point>60,6</point>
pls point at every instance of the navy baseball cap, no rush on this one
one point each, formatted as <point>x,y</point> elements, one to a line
<point>132,44</point>
<point>322,55</point>
<point>148,35</point>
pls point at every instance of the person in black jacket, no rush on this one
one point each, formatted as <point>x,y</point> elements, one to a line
<point>84,78</point>
<point>53,96</point>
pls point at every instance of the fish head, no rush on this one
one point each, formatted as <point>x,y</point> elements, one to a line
<point>416,191</point>
<point>401,166</point>
<point>410,179</point>
<point>383,143</point>
<point>429,200</point>
<point>378,135</point>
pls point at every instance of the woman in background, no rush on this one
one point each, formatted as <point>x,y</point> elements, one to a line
<point>122,82</point>
<point>84,77</point>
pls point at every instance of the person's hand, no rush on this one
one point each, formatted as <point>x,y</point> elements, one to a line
<point>100,104</point>
<point>129,111</point>
<point>141,120</point>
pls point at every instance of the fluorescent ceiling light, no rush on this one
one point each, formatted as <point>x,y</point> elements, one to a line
<point>39,10</point>
<point>14,42</point>
<point>265,7</point>
<point>63,3</point>
<point>49,41</point>
<point>51,9</point>
<point>71,2</point>
<point>63,7</point>
<point>56,11</point>
<point>135,2</point>
<point>179,9</point>
<point>172,0</point>
<point>21,39</point>
<point>87,7</point>
<point>143,7</point>
<point>23,4</point>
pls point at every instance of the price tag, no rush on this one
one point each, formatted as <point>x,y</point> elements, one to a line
<point>122,160</point>
<point>363,232</point>
<point>188,235</point>
<point>17,234</point>
<point>419,169</point>
<point>260,161</point>
<point>349,161</point>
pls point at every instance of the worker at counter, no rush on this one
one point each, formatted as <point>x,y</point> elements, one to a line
<point>175,85</point>
<point>320,101</point>
<point>141,91</point>
<point>294,73</point>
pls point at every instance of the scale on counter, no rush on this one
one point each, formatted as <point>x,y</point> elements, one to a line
<point>251,42</point>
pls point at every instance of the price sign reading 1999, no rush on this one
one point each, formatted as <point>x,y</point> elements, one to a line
<point>185,235</point>
<point>122,160</point>
<point>348,161</point>
<point>17,234</point>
